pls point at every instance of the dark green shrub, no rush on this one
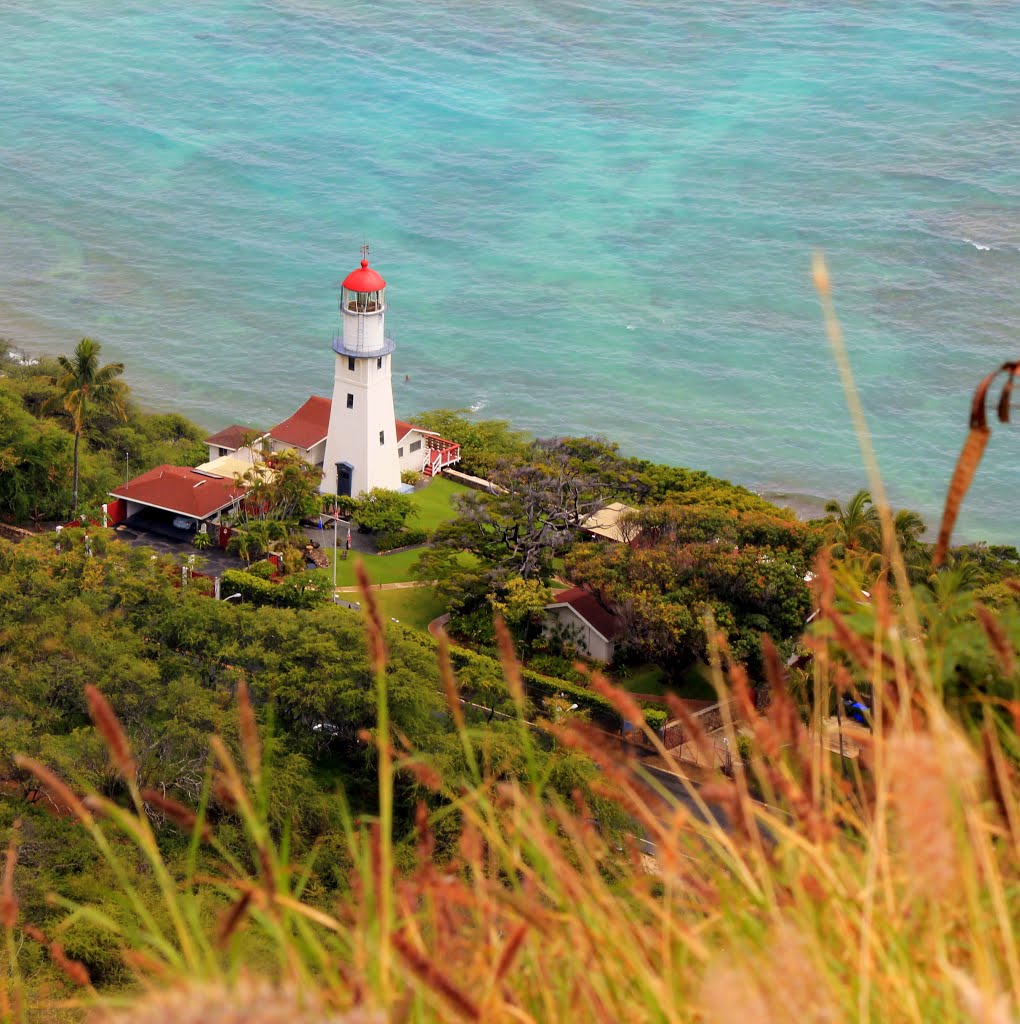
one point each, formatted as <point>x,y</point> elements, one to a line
<point>302,590</point>
<point>409,537</point>
<point>554,665</point>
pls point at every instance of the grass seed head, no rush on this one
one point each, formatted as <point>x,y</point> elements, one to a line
<point>8,900</point>
<point>112,731</point>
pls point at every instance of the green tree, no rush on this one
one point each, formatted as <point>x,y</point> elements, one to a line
<point>281,487</point>
<point>85,385</point>
<point>381,510</point>
<point>664,591</point>
<point>483,443</point>
<point>853,529</point>
<point>522,605</point>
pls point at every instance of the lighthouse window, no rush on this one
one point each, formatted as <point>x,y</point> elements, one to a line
<point>382,436</point>
<point>350,401</point>
<point>350,363</point>
<point>415,446</point>
<point>378,363</point>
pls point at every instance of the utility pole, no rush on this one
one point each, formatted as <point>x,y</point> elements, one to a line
<point>127,467</point>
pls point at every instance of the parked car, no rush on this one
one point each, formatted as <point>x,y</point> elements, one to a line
<point>184,523</point>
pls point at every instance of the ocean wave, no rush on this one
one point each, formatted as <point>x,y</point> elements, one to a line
<point>977,245</point>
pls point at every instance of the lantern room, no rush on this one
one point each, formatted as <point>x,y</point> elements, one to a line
<point>362,291</point>
<point>362,315</point>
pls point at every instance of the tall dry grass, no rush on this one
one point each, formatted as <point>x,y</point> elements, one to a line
<point>806,887</point>
<point>790,892</point>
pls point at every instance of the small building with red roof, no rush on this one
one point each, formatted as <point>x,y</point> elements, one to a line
<point>592,626</point>
<point>305,430</point>
<point>230,439</point>
<point>175,500</point>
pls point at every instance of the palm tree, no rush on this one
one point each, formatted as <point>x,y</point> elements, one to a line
<point>853,529</point>
<point>909,528</point>
<point>86,385</point>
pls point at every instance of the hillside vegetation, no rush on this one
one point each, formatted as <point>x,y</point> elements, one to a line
<point>216,811</point>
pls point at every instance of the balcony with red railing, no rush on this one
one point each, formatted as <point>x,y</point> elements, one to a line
<point>439,454</point>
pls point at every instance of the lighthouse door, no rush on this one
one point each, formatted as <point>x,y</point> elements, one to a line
<point>344,473</point>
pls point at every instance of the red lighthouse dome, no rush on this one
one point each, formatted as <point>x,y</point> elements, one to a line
<point>364,279</point>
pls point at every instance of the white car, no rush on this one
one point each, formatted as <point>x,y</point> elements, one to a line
<point>184,523</point>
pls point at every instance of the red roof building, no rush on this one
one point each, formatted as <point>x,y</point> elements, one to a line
<point>180,490</point>
<point>580,612</point>
<point>231,438</point>
<point>403,429</point>
<point>307,427</point>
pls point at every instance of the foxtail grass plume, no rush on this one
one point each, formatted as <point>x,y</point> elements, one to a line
<point>251,746</point>
<point>175,811</point>
<point>781,986</point>
<point>110,729</point>
<point>926,784</point>
<point>59,791</point>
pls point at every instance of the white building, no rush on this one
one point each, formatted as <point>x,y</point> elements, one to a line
<point>361,443</point>
<point>593,627</point>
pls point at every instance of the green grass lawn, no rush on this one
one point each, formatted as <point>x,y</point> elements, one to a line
<point>694,684</point>
<point>641,679</point>
<point>395,568</point>
<point>435,503</point>
<point>416,607</point>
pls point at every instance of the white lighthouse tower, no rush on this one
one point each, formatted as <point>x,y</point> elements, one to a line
<point>361,446</point>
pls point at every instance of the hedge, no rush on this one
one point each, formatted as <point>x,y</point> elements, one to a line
<point>288,594</point>
<point>408,537</point>
<point>535,684</point>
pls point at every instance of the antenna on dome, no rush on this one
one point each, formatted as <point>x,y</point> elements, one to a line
<point>364,250</point>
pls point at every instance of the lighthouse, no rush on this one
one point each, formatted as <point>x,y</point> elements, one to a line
<point>361,445</point>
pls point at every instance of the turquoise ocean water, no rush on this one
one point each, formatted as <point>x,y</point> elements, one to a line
<point>594,216</point>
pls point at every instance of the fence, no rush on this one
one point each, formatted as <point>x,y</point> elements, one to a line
<point>700,742</point>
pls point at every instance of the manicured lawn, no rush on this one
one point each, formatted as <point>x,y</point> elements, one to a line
<point>641,679</point>
<point>395,568</point>
<point>415,607</point>
<point>696,683</point>
<point>435,503</point>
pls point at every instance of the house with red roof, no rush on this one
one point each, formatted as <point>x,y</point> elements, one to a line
<point>230,439</point>
<point>175,500</point>
<point>592,626</point>
<point>305,431</point>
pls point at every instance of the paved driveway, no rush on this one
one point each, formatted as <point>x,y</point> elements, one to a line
<point>211,561</point>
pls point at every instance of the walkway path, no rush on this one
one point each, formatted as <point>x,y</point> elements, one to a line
<point>406,585</point>
<point>438,624</point>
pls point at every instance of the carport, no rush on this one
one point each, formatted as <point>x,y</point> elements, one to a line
<point>160,500</point>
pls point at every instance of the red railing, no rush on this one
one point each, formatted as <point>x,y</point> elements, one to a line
<point>440,453</point>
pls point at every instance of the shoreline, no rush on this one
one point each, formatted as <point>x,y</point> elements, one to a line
<point>804,504</point>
